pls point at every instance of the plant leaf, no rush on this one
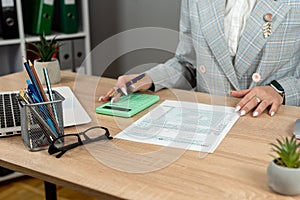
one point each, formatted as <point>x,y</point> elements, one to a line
<point>45,49</point>
<point>288,152</point>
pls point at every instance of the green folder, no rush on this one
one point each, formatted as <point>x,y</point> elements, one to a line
<point>65,17</point>
<point>37,16</point>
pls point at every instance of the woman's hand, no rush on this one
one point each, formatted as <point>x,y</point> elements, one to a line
<point>142,85</point>
<point>258,99</point>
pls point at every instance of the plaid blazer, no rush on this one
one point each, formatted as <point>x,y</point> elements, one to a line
<point>258,60</point>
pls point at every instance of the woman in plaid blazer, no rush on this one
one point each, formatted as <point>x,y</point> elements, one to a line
<point>268,51</point>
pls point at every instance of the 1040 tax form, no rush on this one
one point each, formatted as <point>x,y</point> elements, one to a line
<point>186,125</point>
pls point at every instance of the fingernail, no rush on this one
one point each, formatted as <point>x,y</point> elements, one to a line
<point>237,108</point>
<point>272,113</point>
<point>112,100</point>
<point>124,91</point>
<point>133,86</point>
<point>255,114</point>
<point>100,98</point>
<point>243,112</point>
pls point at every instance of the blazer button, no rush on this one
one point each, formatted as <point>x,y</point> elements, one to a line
<point>268,17</point>
<point>256,77</point>
<point>202,69</point>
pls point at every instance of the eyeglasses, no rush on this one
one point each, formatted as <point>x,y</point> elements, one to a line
<point>64,143</point>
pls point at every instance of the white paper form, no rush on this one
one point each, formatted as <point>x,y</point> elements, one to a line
<point>187,125</point>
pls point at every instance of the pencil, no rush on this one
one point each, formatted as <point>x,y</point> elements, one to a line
<point>44,98</point>
<point>39,85</point>
<point>32,78</point>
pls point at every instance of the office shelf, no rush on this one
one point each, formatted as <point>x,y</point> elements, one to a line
<point>9,42</point>
<point>59,36</point>
<point>12,50</point>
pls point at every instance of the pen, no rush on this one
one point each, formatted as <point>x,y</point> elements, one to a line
<point>43,124</point>
<point>38,82</point>
<point>129,83</point>
<point>32,92</point>
<point>32,78</point>
<point>47,80</point>
<point>48,83</point>
<point>44,97</point>
<point>33,95</point>
<point>41,94</point>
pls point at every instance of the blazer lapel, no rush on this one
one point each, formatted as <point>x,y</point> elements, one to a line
<point>211,14</point>
<point>252,39</point>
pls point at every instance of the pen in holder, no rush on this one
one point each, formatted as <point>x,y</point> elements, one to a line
<point>41,122</point>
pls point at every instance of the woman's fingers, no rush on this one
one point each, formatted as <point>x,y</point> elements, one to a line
<point>114,93</point>
<point>258,99</point>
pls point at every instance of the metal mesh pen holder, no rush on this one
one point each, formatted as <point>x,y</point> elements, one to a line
<point>41,122</point>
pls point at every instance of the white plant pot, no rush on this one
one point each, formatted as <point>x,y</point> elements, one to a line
<point>283,180</point>
<point>53,70</point>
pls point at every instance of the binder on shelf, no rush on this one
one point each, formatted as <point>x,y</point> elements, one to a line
<point>37,16</point>
<point>9,21</point>
<point>65,55</point>
<point>65,19</point>
<point>78,53</point>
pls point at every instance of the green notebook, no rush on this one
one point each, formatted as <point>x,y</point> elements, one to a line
<point>128,106</point>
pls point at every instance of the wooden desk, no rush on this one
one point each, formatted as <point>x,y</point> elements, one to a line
<point>237,169</point>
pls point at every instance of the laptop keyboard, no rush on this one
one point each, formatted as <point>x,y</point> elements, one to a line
<point>10,121</point>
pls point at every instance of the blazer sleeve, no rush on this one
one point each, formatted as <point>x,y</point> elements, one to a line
<point>291,86</point>
<point>172,74</point>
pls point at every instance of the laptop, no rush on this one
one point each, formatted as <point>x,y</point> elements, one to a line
<point>10,122</point>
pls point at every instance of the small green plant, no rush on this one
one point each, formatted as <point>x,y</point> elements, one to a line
<point>288,152</point>
<point>45,49</point>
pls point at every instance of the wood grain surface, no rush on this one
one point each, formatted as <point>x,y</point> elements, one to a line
<point>124,169</point>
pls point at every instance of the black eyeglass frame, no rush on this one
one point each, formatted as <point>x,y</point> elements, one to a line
<point>53,149</point>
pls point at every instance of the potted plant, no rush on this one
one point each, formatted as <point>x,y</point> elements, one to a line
<point>45,51</point>
<point>283,172</point>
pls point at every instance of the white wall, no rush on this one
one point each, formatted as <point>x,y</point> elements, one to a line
<point>110,17</point>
